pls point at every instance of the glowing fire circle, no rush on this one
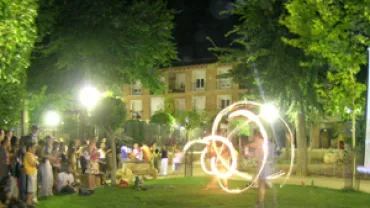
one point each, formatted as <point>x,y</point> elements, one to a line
<point>237,110</point>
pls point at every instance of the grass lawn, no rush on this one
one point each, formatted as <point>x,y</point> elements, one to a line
<point>189,193</point>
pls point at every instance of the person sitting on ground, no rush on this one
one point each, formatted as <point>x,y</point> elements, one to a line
<point>137,154</point>
<point>66,181</point>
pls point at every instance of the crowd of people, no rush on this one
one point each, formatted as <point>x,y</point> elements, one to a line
<point>31,167</point>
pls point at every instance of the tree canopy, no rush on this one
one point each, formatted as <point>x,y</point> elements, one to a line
<point>105,42</point>
<point>18,34</point>
<point>337,33</point>
<point>162,118</point>
<point>262,59</point>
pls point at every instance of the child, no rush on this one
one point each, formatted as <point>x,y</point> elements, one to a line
<point>30,167</point>
<point>178,159</point>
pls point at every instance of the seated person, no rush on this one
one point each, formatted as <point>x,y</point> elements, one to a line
<point>66,181</point>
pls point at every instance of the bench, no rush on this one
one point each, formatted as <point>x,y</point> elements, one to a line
<point>133,169</point>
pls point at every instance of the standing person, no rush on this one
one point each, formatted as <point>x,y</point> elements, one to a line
<point>30,167</point>
<point>35,134</point>
<point>4,158</point>
<point>71,155</point>
<point>2,134</point>
<point>147,154</point>
<point>46,168</point>
<point>178,159</point>
<point>164,160</point>
<point>93,162</point>
<point>257,145</point>
<point>225,154</point>
<point>20,158</point>
<point>103,160</point>
<point>14,166</point>
<point>155,158</point>
<point>9,134</point>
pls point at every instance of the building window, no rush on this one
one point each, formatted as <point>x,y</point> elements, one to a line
<point>156,104</point>
<point>224,101</point>
<point>177,82</point>
<point>222,82</point>
<point>199,103</point>
<point>180,105</point>
<point>199,79</point>
<point>136,88</point>
<point>137,109</point>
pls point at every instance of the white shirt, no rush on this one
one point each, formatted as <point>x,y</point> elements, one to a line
<point>139,155</point>
<point>64,179</point>
<point>178,157</point>
<point>101,154</point>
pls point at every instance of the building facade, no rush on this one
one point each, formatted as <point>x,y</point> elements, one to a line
<point>195,87</point>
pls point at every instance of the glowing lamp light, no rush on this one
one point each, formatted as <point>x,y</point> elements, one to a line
<point>52,118</point>
<point>269,113</point>
<point>89,97</point>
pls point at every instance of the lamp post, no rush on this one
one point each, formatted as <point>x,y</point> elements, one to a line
<point>367,139</point>
<point>89,97</point>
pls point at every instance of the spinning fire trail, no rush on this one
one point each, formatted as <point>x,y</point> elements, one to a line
<point>238,110</point>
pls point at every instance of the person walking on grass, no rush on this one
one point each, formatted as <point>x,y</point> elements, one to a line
<point>30,167</point>
<point>268,168</point>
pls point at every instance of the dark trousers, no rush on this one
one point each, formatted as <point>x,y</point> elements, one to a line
<point>22,184</point>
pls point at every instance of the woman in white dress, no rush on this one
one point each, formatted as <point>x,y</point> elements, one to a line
<point>46,168</point>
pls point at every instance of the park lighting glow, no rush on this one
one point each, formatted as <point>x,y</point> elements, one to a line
<point>231,168</point>
<point>89,97</point>
<point>269,113</point>
<point>52,118</point>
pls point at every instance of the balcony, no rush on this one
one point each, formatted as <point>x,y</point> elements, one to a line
<point>136,115</point>
<point>224,84</point>
<point>136,91</point>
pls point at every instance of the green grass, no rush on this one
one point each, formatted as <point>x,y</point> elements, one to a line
<point>189,193</point>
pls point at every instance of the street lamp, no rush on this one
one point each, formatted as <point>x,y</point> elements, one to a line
<point>89,97</point>
<point>52,118</point>
<point>269,113</point>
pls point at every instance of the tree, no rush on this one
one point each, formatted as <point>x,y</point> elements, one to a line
<point>337,33</point>
<point>18,34</point>
<point>11,103</point>
<point>162,118</point>
<point>105,42</point>
<point>109,115</point>
<point>271,67</point>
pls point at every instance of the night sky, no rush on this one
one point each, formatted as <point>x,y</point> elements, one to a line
<point>196,20</point>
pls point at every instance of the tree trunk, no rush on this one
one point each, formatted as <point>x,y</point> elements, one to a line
<point>114,157</point>
<point>302,144</point>
<point>25,119</point>
<point>354,161</point>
